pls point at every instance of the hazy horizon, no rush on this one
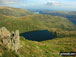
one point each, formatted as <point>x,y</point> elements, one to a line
<point>68,5</point>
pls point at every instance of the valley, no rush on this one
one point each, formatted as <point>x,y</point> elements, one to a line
<point>41,35</point>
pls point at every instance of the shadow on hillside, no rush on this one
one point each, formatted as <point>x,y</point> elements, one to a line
<point>40,35</point>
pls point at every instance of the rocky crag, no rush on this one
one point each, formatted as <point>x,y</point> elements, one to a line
<point>11,40</point>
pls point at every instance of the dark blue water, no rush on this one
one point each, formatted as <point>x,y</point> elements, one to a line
<point>40,35</point>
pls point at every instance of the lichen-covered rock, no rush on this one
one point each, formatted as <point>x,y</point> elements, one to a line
<point>0,32</point>
<point>10,40</point>
<point>5,35</point>
<point>15,41</point>
<point>4,32</point>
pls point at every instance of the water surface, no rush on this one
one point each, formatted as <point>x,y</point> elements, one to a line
<point>40,35</point>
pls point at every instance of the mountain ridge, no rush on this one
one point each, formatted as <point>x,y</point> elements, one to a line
<point>14,11</point>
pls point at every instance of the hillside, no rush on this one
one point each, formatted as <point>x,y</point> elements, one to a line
<point>35,22</point>
<point>18,21</point>
<point>14,11</point>
<point>50,48</point>
<point>69,15</point>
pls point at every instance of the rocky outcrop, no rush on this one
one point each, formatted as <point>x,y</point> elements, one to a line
<point>4,35</point>
<point>15,40</point>
<point>10,40</point>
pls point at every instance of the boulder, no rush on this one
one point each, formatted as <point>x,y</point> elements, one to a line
<point>15,41</point>
<point>4,35</point>
<point>10,40</point>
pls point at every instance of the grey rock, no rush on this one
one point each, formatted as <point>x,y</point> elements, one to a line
<point>10,40</point>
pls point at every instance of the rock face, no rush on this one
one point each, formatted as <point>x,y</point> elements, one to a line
<point>4,35</point>
<point>10,40</point>
<point>15,41</point>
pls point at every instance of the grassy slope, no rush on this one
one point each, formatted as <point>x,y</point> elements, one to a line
<point>49,48</point>
<point>12,19</point>
<point>35,22</point>
<point>14,11</point>
<point>69,15</point>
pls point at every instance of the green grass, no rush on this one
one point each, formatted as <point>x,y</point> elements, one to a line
<point>9,11</point>
<point>35,22</point>
<point>10,54</point>
<point>48,48</point>
<point>15,18</point>
<point>70,15</point>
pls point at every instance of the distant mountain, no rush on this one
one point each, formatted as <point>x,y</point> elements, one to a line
<point>69,15</point>
<point>14,11</point>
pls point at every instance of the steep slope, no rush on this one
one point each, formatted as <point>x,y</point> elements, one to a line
<point>14,11</point>
<point>50,48</point>
<point>69,15</point>
<point>35,22</point>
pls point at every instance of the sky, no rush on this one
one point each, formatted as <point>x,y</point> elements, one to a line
<point>41,4</point>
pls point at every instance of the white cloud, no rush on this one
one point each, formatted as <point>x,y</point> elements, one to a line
<point>61,4</point>
<point>55,3</point>
<point>11,2</point>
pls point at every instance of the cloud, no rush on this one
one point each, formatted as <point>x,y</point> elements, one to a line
<point>55,3</point>
<point>7,1</point>
<point>11,2</point>
<point>61,4</point>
